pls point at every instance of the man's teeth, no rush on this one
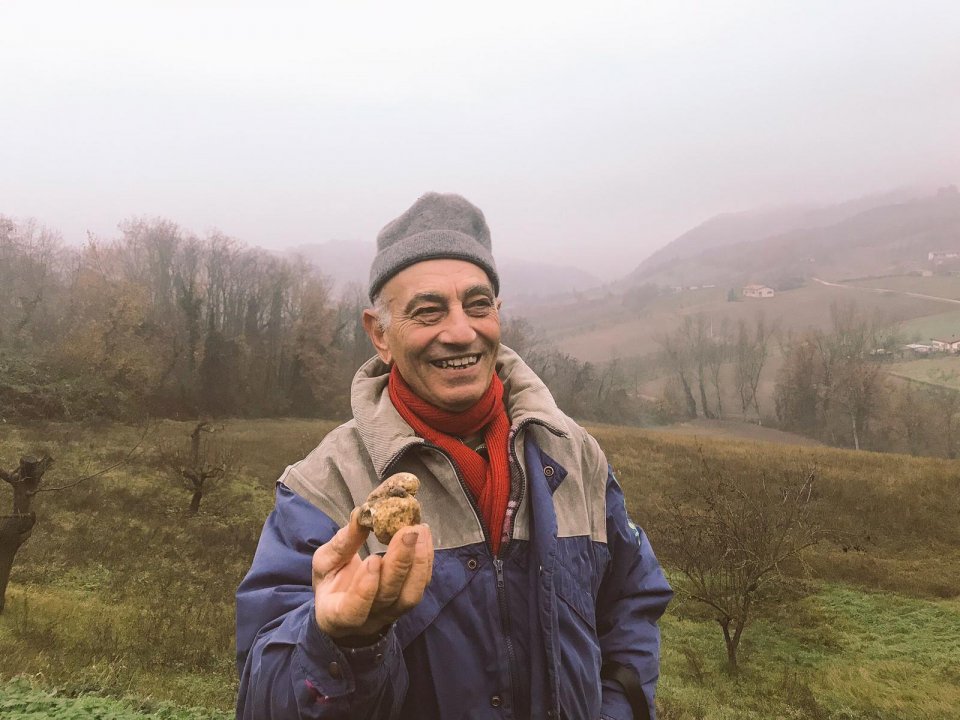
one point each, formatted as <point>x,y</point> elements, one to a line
<point>461,362</point>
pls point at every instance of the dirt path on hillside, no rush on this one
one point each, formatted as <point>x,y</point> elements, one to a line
<point>885,290</point>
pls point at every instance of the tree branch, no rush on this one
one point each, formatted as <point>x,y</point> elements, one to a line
<point>123,460</point>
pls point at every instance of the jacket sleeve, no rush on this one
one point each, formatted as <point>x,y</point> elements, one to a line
<point>633,595</point>
<point>289,668</point>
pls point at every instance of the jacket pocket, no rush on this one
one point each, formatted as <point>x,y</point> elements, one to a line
<point>580,565</point>
<point>450,577</point>
<point>575,592</point>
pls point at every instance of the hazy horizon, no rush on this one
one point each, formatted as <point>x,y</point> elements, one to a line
<point>588,136</point>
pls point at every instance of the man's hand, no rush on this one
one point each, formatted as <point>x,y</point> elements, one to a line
<point>357,597</point>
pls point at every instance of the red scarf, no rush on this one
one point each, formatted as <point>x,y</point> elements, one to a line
<point>488,482</point>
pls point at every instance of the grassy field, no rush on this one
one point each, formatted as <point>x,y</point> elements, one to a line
<point>943,322</point>
<point>941,325</point>
<point>835,653</point>
<point>943,370</point>
<point>121,604</point>
<point>946,286</point>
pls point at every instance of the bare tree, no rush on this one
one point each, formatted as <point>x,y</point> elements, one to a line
<point>16,528</point>
<point>676,358</point>
<point>946,401</point>
<point>831,383</point>
<point>728,537</point>
<point>911,417</point>
<point>201,465</point>
<point>27,481</point>
<point>696,337</point>
<point>718,355</point>
<point>859,385</point>
<point>750,355</point>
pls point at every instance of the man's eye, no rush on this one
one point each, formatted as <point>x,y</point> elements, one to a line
<point>479,307</point>
<point>427,313</point>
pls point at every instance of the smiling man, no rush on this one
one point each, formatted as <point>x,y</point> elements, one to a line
<point>525,593</point>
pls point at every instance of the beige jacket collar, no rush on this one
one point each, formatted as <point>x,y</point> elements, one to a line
<point>387,436</point>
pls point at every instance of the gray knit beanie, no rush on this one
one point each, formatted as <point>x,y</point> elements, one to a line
<point>437,226</point>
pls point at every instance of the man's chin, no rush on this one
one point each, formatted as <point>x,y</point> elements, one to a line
<point>456,404</point>
<point>458,399</point>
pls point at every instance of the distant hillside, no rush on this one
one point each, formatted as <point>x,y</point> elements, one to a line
<point>887,233</point>
<point>524,281</point>
<point>521,281</point>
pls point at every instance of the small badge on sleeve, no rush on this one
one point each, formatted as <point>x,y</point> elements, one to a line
<point>636,530</point>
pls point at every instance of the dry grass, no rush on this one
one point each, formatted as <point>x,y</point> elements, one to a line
<point>897,516</point>
<point>120,592</point>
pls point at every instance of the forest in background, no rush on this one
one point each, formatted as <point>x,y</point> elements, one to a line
<point>158,321</point>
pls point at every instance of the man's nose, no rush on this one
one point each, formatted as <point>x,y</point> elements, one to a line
<point>458,329</point>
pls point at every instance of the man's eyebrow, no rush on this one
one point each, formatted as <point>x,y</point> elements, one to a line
<point>441,299</point>
<point>485,290</point>
<point>424,297</point>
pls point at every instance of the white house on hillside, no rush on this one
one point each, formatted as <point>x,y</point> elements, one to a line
<point>938,256</point>
<point>951,345</point>
<point>758,291</point>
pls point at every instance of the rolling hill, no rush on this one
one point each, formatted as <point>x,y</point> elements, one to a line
<point>757,225</point>
<point>783,248</point>
<point>696,273</point>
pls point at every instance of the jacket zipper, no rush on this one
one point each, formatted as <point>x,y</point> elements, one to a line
<point>515,461</point>
<point>505,622</point>
<point>498,567</point>
<point>497,561</point>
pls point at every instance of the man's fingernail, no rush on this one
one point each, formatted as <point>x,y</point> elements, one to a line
<point>410,539</point>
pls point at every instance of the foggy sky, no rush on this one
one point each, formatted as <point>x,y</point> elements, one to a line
<point>589,133</point>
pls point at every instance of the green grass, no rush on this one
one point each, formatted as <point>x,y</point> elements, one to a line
<point>942,370</point>
<point>21,700</point>
<point>941,325</point>
<point>837,652</point>
<point>120,594</point>
<point>946,286</point>
<point>119,590</point>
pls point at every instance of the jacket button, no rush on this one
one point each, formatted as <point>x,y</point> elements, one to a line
<point>496,701</point>
<point>548,471</point>
<point>472,564</point>
<point>334,669</point>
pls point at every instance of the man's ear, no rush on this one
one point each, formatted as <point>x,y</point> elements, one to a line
<point>371,325</point>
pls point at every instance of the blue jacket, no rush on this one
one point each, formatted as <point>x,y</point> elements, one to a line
<point>522,635</point>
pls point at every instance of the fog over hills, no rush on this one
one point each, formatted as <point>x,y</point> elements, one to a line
<point>739,227</point>
<point>522,281</point>
<point>881,234</point>
<point>888,233</point>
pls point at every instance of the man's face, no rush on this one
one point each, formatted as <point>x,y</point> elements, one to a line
<point>444,331</point>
